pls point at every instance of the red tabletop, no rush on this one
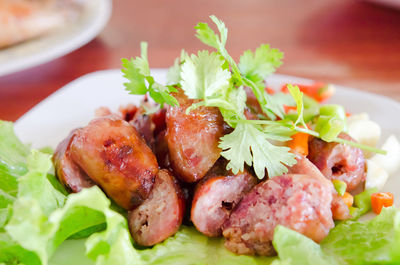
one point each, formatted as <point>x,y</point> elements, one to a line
<point>346,42</point>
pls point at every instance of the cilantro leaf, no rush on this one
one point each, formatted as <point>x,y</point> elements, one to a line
<point>174,72</point>
<point>298,97</point>
<point>136,84</point>
<point>203,76</point>
<point>260,64</point>
<point>247,144</point>
<point>140,81</point>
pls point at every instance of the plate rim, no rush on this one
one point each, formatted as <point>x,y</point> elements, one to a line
<point>54,52</point>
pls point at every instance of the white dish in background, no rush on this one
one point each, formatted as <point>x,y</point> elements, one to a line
<point>55,44</point>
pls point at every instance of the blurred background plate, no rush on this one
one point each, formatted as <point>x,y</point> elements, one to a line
<point>37,51</point>
<point>389,3</point>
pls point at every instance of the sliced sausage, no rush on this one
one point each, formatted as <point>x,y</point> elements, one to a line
<point>193,138</point>
<point>114,155</point>
<point>340,211</point>
<point>67,171</point>
<point>215,197</point>
<point>160,216</point>
<point>338,161</point>
<point>144,125</point>
<point>161,150</point>
<point>299,202</point>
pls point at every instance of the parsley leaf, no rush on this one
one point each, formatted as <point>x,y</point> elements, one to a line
<point>203,76</point>
<point>247,144</point>
<point>174,72</point>
<point>140,81</point>
<point>253,79</point>
<point>257,66</point>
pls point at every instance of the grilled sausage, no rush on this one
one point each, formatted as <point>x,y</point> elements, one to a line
<point>216,196</point>
<point>67,171</point>
<point>193,138</point>
<point>114,155</point>
<point>299,202</point>
<point>160,216</point>
<point>338,161</point>
<point>340,211</point>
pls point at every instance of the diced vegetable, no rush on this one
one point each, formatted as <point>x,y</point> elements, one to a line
<point>299,143</point>
<point>364,130</point>
<point>340,186</point>
<point>380,200</point>
<point>329,127</point>
<point>318,91</point>
<point>391,161</point>
<point>348,199</point>
<point>333,110</point>
<point>363,116</point>
<point>331,122</point>
<point>363,200</point>
<point>269,90</point>
<point>376,175</point>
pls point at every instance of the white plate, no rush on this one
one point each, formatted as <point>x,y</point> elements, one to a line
<point>73,106</point>
<point>58,43</point>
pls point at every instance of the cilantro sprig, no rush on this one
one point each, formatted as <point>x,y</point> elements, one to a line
<point>214,79</point>
<point>140,81</point>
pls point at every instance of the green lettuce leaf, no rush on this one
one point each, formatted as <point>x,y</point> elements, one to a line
<point>189,247</point>
<point>376,241</point>
<point>295,248</point>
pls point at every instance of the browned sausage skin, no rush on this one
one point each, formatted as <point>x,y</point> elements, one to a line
<point>193,138</point>
<point>68,173</point>
<point>299,202</point>
<point>216,196</point>
<point>114,155</point>
<point>338,161</point>
<point>160,216</point>
<point>340,211</point>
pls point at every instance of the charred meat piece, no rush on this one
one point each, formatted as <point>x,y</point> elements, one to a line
<point>160,216</point>
<point>144,125</point>
<point>193,138</point>
<point>115,157</point>
<point>161,150</point>
<point>299,202</point>
<point>338,161</point>
<point>68,173</point>
<point>340,211</point>
<point>216,196</point>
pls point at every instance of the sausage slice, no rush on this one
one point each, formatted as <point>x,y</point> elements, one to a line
<point>340,211</point>
<point>160,216</point>
<point>67,171</point>
<point>338,161</point>
<point>114,156</point>
<point>299,202</point>
<point>193,138</point>
<point>215,197</point>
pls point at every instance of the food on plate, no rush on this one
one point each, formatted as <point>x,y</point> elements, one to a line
<point>21,20</point>
<point>299,202</point>
<point>114,156</point>
<point>193,138</point>
<point>68,172</point>
<point>216,195</point>
<point>338,161</point>
<point>213,158</point>
<point>161,214</point>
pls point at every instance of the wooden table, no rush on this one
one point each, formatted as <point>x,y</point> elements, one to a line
<point>340,41</point>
